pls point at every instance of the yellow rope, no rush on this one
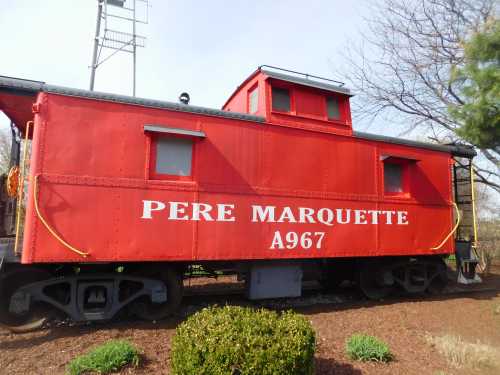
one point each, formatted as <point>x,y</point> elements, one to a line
<point>459,217</point>
<point>20,191</point>
<point>51,231</point>
<point>473,198</point>
<point>482,262</point>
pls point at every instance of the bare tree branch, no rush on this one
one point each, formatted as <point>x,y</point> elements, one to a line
<point>402,71</point>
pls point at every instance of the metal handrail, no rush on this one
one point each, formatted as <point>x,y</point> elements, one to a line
<point>302,74</point>
<point>21,187</point>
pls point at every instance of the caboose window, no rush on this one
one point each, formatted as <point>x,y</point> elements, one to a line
<point>281,99</point>
<point>253,100</point>
<point>393,178</point>
<point>332,106</point>
<point>173,156</point>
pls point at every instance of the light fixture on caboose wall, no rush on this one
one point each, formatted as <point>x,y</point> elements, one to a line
<point>184,98</point>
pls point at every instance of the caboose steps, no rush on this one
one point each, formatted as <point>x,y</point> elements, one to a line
<point>466,236</point>
<point>467,263</point>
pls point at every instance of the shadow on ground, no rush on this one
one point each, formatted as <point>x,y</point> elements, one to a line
<point>327,366</point>
<point>312,302</point>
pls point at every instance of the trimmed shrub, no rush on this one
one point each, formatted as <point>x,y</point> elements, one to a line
<point>106,358</point>
<point>234,340</point>
<point>367,348</point>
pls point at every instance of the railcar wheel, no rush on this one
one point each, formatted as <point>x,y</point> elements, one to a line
<point>376,282</point>
<point>440,279</point>
<point>331,280</point>
<point>145,309</point>
<point>18,312</point>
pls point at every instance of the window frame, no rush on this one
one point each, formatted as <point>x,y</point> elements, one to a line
<point>291,97</point>
<point>342,103</point>
<point>339,101</point>
<point>251,90</point>
<point>405,164</point>
<point>154,132</point>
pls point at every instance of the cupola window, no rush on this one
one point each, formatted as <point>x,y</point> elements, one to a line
<point>253,100</point>
<point>332,106</point>
<point>281,99</point>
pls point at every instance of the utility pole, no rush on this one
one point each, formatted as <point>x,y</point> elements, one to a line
<point>112,37</point>
<point>134,53</point>
<point>96,44</point>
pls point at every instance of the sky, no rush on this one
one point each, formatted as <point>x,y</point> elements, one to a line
<point>206,48</point>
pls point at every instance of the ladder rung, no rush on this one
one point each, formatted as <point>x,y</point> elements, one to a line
<point>469,261</point>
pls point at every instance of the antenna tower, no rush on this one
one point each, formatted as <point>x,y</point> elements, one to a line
<point>118,19</point>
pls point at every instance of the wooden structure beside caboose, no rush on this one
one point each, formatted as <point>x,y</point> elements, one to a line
<point>276,187</point>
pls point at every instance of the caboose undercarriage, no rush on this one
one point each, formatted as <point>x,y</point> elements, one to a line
<point>30,295</point>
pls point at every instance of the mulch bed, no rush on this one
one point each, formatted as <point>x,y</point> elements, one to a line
<point>402,323</point>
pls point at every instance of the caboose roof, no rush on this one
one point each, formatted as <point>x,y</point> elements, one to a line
<point>25,87</point>
<point>297,78</point>
<point>21,93</point>
<point>308,80</point>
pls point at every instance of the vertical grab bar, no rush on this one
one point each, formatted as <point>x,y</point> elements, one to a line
<point>20,192</point>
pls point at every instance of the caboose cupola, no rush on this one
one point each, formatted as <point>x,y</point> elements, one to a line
<point>294,99</point>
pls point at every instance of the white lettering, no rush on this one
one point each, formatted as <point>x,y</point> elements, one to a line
<point>292,240</point>
<point>268,214</point>
<point>388,216</point>
<point>147,208</point>
<point>360,217</point>
<point>374,215</point>
<point>263,213</point>
<point>329,217</point>
<point>320,236</point>
<point>277,241</point>
<point>306,240</point>
<point>402,217</point>
<point>287,215</point>
<point>225,212</point>
<point>202,209</point>
<point>306,215</point>
<point>339,216</point>
<point>175,210</point>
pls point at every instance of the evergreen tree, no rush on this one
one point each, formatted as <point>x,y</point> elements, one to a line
<point>480,86</point>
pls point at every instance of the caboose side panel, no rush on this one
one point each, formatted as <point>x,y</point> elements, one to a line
<point>254,190</point>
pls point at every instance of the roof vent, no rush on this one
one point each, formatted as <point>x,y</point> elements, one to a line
<point>184,98</point>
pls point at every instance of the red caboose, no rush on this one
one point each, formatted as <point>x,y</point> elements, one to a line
<point>125,194</point>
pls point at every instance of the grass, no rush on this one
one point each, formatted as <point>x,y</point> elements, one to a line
<point>460,353</point>
<point>368,348</point>
<point>497,310</point>
<point>106,358</point>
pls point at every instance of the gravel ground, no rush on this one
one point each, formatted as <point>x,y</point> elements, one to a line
<point>401,322</point>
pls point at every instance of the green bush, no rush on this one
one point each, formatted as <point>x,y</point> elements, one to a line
<point>236,340</point>
<point>105,358</point>
<point>368,348</point>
